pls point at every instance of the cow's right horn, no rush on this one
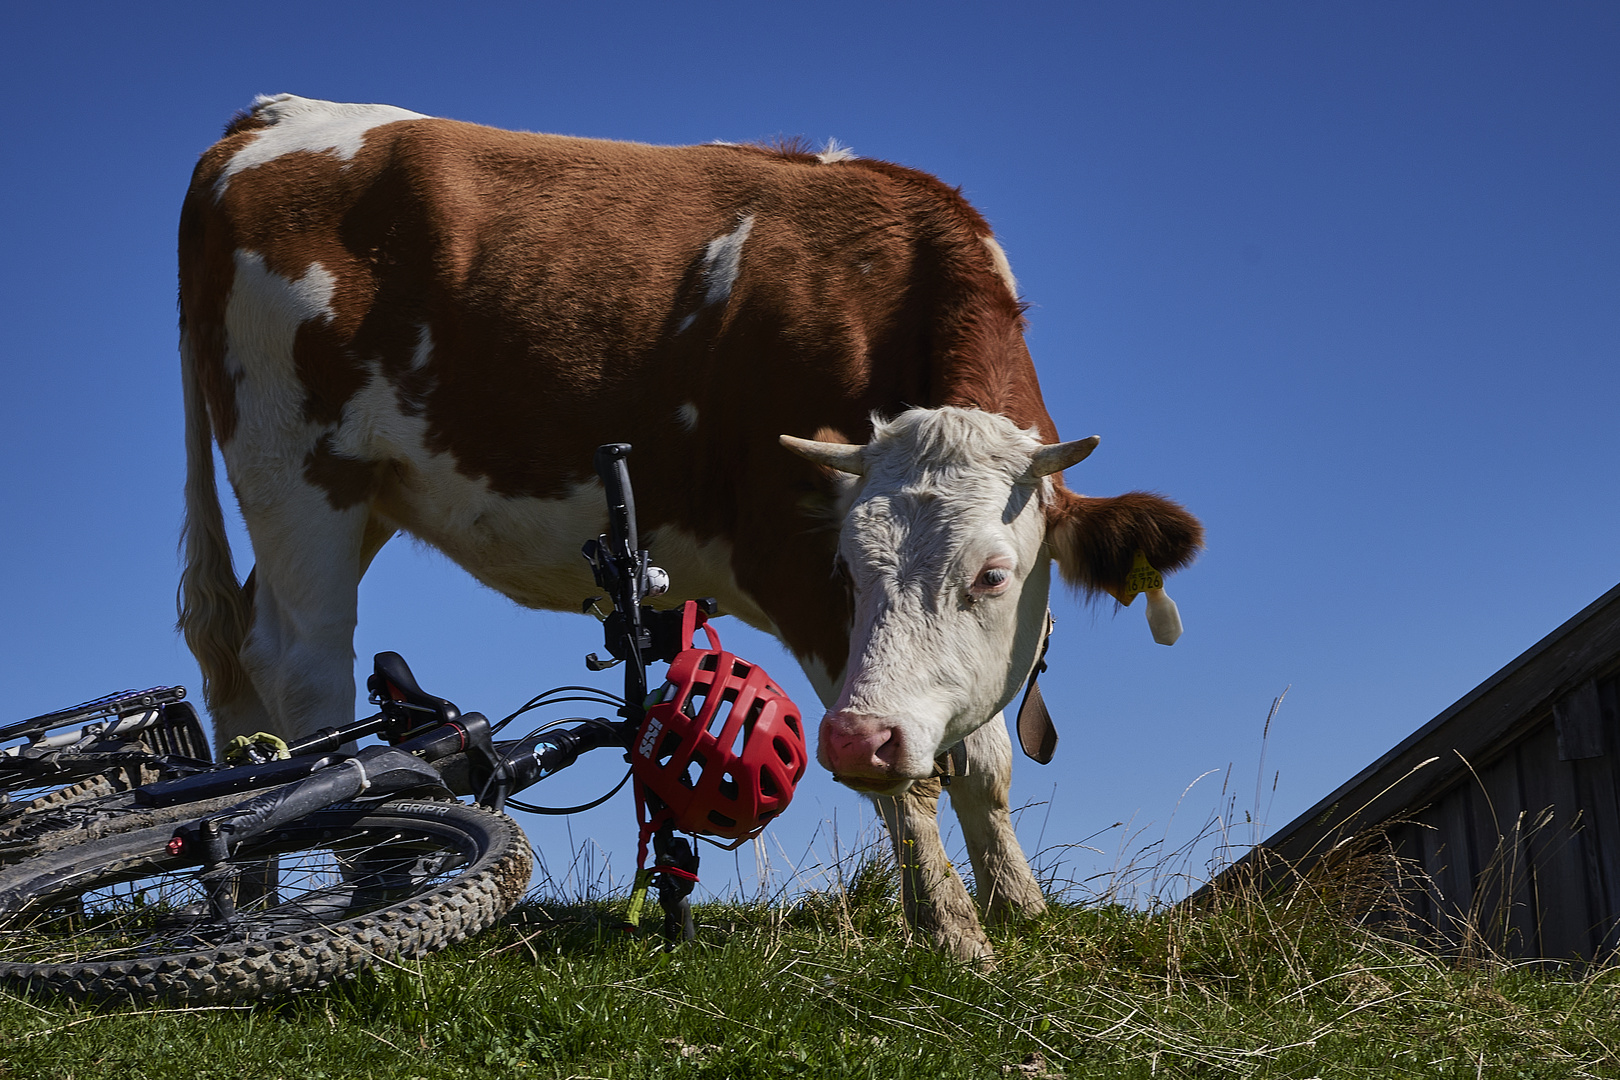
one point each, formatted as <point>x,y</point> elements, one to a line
<point>1059,456</point>
<point>845,457</point>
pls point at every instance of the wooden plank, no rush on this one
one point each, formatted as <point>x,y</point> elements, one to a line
<point>1558,850</point>
<point>1428,901</point>
<point>1596,788</point>
<point>1579,718</point>
<point>1457,864</point>
<point>1503,901</point>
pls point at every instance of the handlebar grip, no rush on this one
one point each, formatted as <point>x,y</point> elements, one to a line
<point>615,475</point>
<point>540,755</point>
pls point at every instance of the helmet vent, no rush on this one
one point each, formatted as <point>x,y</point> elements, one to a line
<point>718,721</point>
<point>728,786</point>
<point>693,772</point>
<point>666,749</point>
<point>745,730</point>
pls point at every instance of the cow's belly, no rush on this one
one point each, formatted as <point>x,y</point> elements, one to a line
<point>525,548</point>
<point>529,548</point>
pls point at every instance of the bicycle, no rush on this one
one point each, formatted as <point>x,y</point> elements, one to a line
<point>305,862</point>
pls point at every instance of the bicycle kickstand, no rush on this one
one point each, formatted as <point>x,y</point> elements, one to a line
<point>675,866</point>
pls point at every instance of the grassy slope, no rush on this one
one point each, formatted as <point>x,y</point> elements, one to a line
<point>828,988</point>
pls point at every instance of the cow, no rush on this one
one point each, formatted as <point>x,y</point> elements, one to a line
<point>394,323</point>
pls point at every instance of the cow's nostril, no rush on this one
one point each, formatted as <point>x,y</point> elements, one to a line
<point>860,746</point>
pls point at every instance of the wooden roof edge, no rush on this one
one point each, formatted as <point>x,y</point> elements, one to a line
<point>1378,791</point>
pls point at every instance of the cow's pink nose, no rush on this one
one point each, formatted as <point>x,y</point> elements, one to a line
<point>855,745</point>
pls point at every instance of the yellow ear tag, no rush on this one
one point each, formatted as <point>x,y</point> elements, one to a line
<point>638,897</point>
<point>1142,578</point>
<point>1163,618</point>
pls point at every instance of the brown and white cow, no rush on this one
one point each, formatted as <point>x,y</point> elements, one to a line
<point>396,323</point>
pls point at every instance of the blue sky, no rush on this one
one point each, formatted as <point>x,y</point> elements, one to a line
<point>1344,279</point>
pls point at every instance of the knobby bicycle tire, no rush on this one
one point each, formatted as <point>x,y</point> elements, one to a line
<point>121,918</point>
<point>28,820</point>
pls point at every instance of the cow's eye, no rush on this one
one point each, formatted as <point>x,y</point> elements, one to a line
<point>992,579</point>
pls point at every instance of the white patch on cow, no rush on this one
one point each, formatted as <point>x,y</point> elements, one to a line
<point>265,309</point>
<point>835,152</point>
<point>262,317</point>
<point>318,127</point>
<point>703,568</point>
<point>722,261</point>
<point>424,347</point>
<point>687,417</point>
<point>526,548</point>
<point>1003,267</point>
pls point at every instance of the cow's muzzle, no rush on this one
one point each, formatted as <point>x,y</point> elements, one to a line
<point>868,753</point>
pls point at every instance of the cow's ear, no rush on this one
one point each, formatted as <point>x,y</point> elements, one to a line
<point>831,499</point>
<point>1095,540</point>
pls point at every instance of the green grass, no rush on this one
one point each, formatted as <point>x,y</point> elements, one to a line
<point>1296,985</point>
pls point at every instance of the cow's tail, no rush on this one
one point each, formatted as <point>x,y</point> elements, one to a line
<point>215,612</point>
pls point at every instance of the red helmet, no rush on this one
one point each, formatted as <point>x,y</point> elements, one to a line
<point>722,746</point>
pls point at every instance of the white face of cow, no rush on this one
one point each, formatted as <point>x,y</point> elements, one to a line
<point>944,546</point>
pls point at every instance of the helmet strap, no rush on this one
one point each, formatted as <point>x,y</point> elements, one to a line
<point>673,873</point>
<point>693,617</point>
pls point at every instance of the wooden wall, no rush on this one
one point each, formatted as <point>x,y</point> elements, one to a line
<point>1526,847</point>
<point>1509,802</point>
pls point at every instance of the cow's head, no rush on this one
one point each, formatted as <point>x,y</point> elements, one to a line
<point>954,519</point>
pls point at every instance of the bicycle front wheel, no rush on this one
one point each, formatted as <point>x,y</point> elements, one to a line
<point>296,909</point>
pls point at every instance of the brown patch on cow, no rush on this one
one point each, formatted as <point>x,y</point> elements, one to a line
<point>207,271</point>
<point>346,481</point>
<point>1095,540</point>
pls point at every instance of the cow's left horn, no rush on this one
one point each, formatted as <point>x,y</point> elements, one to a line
<point>845,457</point>
<point>1059,456</point>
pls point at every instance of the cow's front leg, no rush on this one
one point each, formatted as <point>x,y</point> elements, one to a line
<point>936,902</point>
<point>1006,887</point>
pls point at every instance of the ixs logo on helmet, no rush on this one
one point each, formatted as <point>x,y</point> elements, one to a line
<point>649,738</point>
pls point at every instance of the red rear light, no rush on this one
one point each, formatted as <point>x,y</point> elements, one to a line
<point>177,845</point>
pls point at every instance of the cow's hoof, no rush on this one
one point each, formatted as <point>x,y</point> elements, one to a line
<point>968,946</point>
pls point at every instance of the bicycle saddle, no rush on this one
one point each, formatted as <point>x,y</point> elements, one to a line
<point>391,681</point>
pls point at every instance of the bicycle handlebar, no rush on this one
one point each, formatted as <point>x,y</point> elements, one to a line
<point>532,759</point>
